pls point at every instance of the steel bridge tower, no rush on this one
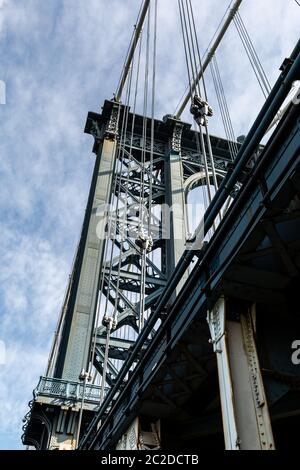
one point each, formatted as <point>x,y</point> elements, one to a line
<point>65,390</point>
<point>156,314</point>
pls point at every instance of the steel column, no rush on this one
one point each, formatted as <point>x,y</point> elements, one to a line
<point>245,414</point>
<point>78,347</point>
<point>174,222</point>
<point>216,322</point>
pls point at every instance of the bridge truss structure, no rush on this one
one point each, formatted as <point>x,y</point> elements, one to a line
<point>178,321</point>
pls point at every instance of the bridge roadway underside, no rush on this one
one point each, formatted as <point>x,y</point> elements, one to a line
<point>253,257</point>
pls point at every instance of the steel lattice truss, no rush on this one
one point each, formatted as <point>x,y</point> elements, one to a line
<point>121,276</point>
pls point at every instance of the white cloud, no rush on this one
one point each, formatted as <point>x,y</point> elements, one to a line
<point>32,283</point>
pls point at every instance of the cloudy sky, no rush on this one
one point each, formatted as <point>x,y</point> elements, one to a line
<point>60,59</point>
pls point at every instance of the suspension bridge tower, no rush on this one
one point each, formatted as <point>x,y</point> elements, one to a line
<point>137,252</point>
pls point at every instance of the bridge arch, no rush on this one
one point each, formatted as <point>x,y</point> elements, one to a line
<point>197,200</point>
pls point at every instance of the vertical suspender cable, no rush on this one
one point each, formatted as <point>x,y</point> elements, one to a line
<point>255,56</point>
<point>205,53</point>
<point>152,116</point>
<point>252,56</point>
<point>212,50</point>
<point>230,126</point>
<point>143,171</point>
<point>128,170</point>
<point>191,13</point>
<point>185,48</point>
<point>223,111</point>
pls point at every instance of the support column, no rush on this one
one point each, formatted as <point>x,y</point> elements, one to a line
<point>138,438</point>
<point>63,435</point>
<point>75,342</point>
<point>175,198</point>
<point>245,414</point>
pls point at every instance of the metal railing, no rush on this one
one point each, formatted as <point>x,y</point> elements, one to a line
<point>65,389</point>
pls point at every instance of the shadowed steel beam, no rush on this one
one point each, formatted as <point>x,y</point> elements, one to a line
<point>137,32</point>
<point>210,55</point>
<point>115,342</point>
<point>245,414</point>
<point>122,274</point>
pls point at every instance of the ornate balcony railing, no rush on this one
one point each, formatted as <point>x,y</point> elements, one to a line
<point>65,389</point>
<point>57,392</point>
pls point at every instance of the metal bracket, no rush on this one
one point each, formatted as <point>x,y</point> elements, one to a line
<point>216,323</point>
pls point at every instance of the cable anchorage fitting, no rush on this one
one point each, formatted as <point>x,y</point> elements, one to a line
<point>109,322</point>
<point>85,375</point>
<point>201,110</point>
<point>144,241</point>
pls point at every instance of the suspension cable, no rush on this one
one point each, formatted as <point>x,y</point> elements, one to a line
<point>252,56</point>
<point>152,115</point>
<point>204,55</point>
<point>200,164</point>
<point>193,46</point>
<point>198,52</point>
<point>197,61</point>
<point>224,111</point>
<point>221,107</point>
<point>142,205</point>
<point>214,47</point>
<point>255,55</point>
<point>230,125</point>
<point>125,208</point>
<point>185,48</point>
<point>137,29</point>
<point>187,38</point>
<point>205,96</point>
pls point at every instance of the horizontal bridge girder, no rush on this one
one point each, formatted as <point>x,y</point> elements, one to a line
<point>135,182</point>
<point>293,246</point>
<point>118,348</point>
<point>135,277</point>
<point>258,277</point>
<point>114,342</point>
<point>98,364</point>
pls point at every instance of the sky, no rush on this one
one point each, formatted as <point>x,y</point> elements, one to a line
<point>60,59</point>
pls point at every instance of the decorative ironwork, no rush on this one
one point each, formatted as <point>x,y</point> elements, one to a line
<point>136,141</point>
<point>176,137</point>
<point>216,323</point>
<point>111,130</point>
